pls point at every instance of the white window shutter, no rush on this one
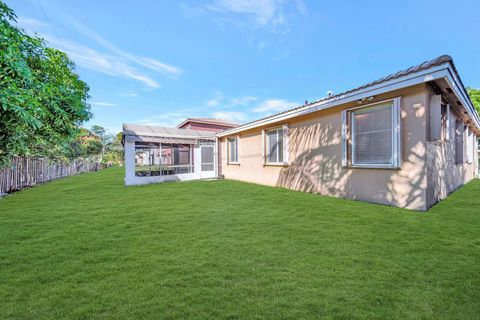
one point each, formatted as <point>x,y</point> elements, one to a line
<point>344,138</point>
<point>286,138</point>
<point>435,117</point>
<point>397,132</point>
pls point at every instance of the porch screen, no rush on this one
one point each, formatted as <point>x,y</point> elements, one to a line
<point>372,135</point>
<point>207,158</point>
<point>147,159</point>
<point>176,158</point>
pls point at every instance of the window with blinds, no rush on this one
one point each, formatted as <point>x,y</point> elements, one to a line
<point>233,150</point>
<point>371,135</point>
<point>275,146</point>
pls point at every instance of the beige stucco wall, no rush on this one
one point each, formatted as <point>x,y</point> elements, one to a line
<point>315,157</point>
<point>443,175</point>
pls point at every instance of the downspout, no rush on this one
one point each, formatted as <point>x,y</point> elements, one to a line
<point>216,158</point>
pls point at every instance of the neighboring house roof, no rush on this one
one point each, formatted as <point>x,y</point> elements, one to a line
<point>441,67</point>
<point>213,121</point>
<point>153,131</point>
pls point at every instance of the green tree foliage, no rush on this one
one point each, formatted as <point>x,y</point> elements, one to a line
<point>43,102</point>
<point>475,97</point>
<point>85,145</point>
<point>114,150</point>
<point>96,143</point>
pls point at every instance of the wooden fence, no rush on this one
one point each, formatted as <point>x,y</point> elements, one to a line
<point>28,172</point>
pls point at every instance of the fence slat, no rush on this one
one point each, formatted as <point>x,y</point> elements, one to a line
<point>28,172</point>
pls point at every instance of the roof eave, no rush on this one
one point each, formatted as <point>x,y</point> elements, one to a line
<point>224,124</point>
<point>461,93</point>
<point>183,123</point>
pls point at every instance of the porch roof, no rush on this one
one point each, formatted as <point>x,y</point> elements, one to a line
<point>166,134</point>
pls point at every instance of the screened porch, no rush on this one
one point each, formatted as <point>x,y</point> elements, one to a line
<point>156,154</point>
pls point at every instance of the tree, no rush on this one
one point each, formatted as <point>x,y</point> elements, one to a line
<point>113,150</point>
<point>96,143</point>
<point>43,102</point>
<point>475,97</point>
<point>100,132</point>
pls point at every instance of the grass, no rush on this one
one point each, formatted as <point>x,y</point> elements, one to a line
<point>87,247</point>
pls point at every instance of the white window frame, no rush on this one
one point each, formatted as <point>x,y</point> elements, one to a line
<point>284,129</point>
<point>348,129</point>
<point>229,151</point>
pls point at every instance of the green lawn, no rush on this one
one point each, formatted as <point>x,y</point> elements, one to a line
<point>87,247</point>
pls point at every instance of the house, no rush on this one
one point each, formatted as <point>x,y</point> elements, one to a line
<point>406,140</point>
<point>206,124</point>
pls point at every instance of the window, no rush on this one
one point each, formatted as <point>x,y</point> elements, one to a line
<point>470,145</point>
<point>275,145</point>
<point>233,150</point>
<point>459,142</point>
<point>375,135</point>
<point>439,119</point>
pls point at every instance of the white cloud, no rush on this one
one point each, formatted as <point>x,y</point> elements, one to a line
<point>301,7</point>
<point>266,21</point>
<point>147,62</point>
<point>84,30</point>
<point>103,104</point>
<point>242,101</point>
<point>157,65</point>
<point>105,63</point>
<point>216,100</point>
<point>261,13</point>
<point>213,102</point>
<point>115,63</point>
<point>129,94</point>
<point>169,119</point>
<point>31,24</point>
<point>228,102</point>
<point>274,105</point>
<point>233,116</point>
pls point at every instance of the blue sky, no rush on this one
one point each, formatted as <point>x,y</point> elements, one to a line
<point>158,62</point>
